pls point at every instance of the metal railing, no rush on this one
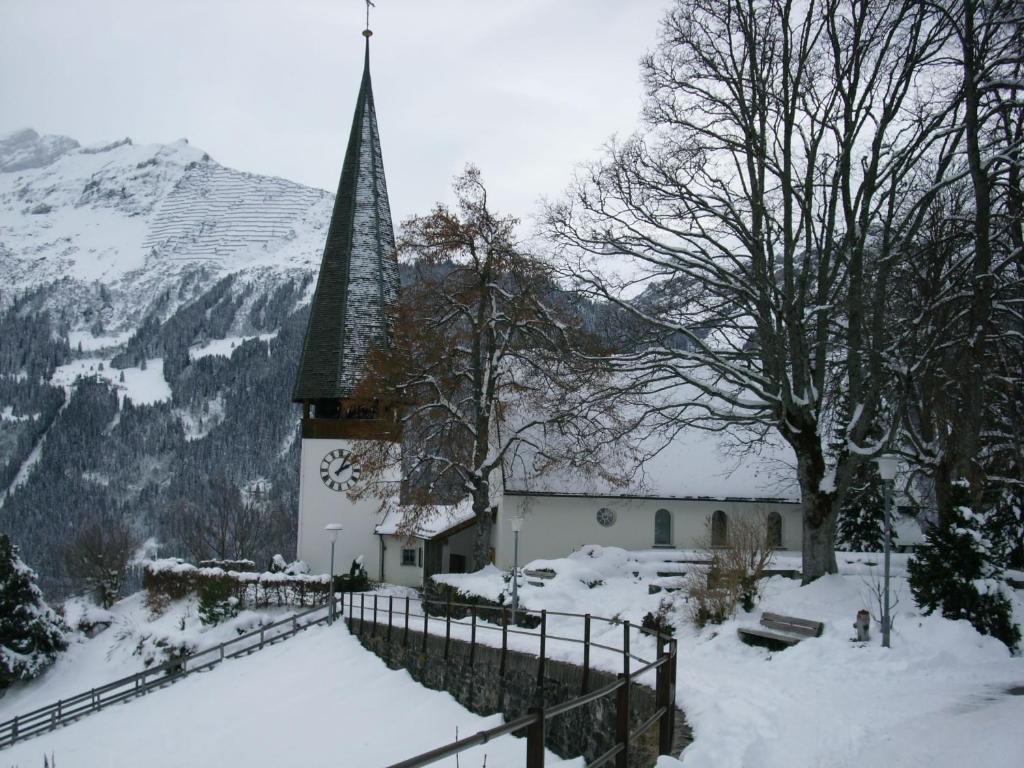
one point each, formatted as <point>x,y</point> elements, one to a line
<point>533,723</point>
<point>72,708</point>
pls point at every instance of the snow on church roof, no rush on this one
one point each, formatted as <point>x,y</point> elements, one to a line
<point>693,464</point>
<point>444,518</point>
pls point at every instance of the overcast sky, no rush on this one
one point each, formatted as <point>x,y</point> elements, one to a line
<point>526,89</point>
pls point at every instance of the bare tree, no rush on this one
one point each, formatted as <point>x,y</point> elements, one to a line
<point>962,292</point>
<point>480,360</point>
<point>97,554</point>
<point>788,154</point>
<point>230,527</point>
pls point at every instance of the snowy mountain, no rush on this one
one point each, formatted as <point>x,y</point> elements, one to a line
<point>152,305</point>
<point>141,220</point>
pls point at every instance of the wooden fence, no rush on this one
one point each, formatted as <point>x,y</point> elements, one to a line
<point>366,614</point>
<point>67,710</point>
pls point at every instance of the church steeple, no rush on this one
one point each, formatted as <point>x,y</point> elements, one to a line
<point>358,280</point>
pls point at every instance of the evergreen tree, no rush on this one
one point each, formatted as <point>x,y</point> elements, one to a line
<point>31,634</point>
<point>862,517</point>
<point>861,523</point>
<point>958,572</point>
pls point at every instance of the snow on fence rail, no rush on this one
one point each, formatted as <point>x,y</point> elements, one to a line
<point>67,710</point>
<point>663,666</point>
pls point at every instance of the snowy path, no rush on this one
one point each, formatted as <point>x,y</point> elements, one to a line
<point>318,699</point>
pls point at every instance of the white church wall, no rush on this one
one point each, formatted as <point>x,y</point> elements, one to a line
<point>554,526</point>
<point>319,505</point>
<point>396,570</point>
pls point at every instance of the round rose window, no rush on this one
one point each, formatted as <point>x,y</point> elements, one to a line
<point>606,517</point>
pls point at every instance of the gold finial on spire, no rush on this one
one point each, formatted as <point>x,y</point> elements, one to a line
<point>367,32</point>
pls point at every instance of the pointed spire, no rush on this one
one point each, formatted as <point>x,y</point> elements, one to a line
<point>358,280</point>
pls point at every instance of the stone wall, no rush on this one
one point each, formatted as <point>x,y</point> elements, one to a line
<point>483,688</point>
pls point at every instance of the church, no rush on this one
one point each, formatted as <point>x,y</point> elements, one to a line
<point>686,490</point>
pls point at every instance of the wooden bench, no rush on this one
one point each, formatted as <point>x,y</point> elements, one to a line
<point>779,632</point>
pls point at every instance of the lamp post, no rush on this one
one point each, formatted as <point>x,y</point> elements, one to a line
<point>334,529</point>
<point>887,465</point>
<point>517,526</point>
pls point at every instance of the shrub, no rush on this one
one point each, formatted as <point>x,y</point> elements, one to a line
<point>734,572</point>
<point>31,633</point>
<point>658,621</point>
<point>217,600</point>
<point>958,573</point>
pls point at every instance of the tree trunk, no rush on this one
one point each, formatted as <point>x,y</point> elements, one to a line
<point>819,552</point>
<point>819,508</point>
<point>482,544</point>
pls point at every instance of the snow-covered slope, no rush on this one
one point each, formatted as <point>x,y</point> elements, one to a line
<point>137,218</point>
<point>318,699</point>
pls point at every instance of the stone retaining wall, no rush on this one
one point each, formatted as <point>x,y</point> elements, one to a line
<point>482,688</point>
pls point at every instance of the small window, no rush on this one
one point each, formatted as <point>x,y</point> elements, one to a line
<point>662,528</point>
<point>408,557</point>
<point>606,517</point>
<point>774,522</point>
<point>719,528</point>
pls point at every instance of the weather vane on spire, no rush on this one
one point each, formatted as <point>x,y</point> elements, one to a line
<point>369,5</point>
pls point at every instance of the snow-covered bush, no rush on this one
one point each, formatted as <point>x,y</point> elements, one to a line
<point>958,573</point>
<point>31,633</point>
<point>217,599</point>
<point>172,579</point>
<point>659,621</point>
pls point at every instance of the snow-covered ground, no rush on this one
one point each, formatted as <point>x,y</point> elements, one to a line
<point>939,697</point>
<point>318,699</point>
<point>124,648</point>
<point>143,386</point>
<point>227,346</point>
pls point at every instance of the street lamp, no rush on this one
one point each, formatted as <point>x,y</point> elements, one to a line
<point>517,526</point>
<point>334,529</point>
<point>887,466</point>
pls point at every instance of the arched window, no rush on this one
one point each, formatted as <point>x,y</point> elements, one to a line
<point>663,528</point>
<point>774,522</point>
<point>719,528</point>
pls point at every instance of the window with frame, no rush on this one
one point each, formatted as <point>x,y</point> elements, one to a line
<point>408,557</point>
<point>663,528</point>
<point>774,522</point>
<point>719,528</point>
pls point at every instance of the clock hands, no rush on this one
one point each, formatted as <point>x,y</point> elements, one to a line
<point>342,468</point>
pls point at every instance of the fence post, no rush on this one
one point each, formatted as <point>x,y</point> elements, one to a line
<point>447,626</point>
<point>222,649</point>
<point>391,607</point>
<point>472,638</point>
<point>426,629</point>
<point>375,615</point>
<point>261,638</point>
<point>362,612</point>
<point>622,722</point>
<point>665,726</point>
<point>14,729</point>
<point>92,699</point>
<point>504,640</point>
<point>535,740</point>
<point>625,648</point>
<point>405,636</point>
<point>543,653</point>
<point>586,654</point>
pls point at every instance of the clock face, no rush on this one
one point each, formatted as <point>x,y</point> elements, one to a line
<point>339,470</point>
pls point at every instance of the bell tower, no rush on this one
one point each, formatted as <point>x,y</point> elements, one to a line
<point>348,320</point>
